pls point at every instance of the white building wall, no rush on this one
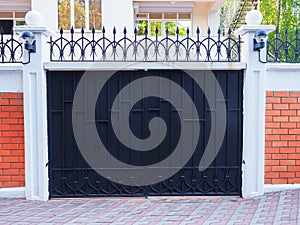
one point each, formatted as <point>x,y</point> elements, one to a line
<point>119,14</point>
<point>213,21</point>
<point>115,13</point>
<point>48,9</point>
<point>200,14</point>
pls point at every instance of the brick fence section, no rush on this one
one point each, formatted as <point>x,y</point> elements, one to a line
<point>282,146</point>
<point>12,169</point>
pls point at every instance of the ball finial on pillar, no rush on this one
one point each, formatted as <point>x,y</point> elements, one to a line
<point>254,17</point>
<point>34,18</point>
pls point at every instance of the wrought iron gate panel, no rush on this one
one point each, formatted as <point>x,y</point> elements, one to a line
<point>71,176</point>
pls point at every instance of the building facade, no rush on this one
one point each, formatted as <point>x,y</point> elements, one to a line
<point>128,13</point>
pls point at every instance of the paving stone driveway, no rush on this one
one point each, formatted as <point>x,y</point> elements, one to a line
<point>272,208</point>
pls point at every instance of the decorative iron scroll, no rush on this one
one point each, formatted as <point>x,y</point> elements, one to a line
<point>85,46</point>
<point>11,50</point>
<point>284,48</point>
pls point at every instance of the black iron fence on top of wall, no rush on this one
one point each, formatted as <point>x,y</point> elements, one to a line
<point>284,47</point>
<point>83,46</point>
<point>11,50</point>
<point>93,46</point>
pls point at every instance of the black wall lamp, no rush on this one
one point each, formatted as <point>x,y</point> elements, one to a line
<point>259,42</point>
<point>29,43</point>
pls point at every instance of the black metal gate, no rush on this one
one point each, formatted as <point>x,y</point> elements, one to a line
<point>71,176</point>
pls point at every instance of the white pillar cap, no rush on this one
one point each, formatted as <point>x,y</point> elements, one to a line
<point>253,17</point>
<point>34,18</point>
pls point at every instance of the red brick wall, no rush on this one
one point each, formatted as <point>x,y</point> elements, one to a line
<point>282,150</point>
<point>12,169</point>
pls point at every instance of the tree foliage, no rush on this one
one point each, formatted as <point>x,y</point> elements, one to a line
<point>171,26</point>
<point>228,11</point>
<point>285,15</point>
<point>154,26</point>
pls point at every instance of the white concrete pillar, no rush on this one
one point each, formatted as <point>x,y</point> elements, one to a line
<point>35,112</point>
<point>253,112</point>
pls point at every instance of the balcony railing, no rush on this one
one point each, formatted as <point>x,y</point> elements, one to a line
<point>284,47</point>
<point>121,47</point>
<point>11,50</point>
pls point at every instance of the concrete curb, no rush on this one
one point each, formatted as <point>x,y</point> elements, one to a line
<point>280,187</point>
<point>18,192</point>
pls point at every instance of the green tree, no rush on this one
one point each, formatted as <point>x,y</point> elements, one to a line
<point>171,26</point>
<point>285,15</point>
<point>153,26</point>
<point>228,12</point>
<point>141,27</point>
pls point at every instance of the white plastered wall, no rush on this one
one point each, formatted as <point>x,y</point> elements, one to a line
<point>206,14</point>
<point>119,14</point>
<point>200,14</point>
<point>11,78</point>
<point>48,10</point>
<point>283,77</point>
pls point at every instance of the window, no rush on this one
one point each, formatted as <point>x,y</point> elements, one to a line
<point>10,19</point>
<point>6,26</point>
<point>79,14</point>
<point>163,21</point>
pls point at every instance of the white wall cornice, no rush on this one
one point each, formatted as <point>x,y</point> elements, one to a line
<point>75,66</point>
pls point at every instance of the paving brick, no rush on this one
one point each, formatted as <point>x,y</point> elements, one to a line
<point>272,208</point>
